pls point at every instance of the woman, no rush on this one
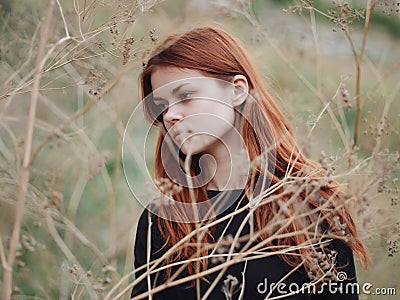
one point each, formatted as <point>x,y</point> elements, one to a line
<point>248,216</point>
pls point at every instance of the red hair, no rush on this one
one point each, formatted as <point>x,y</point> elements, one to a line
<point>217,54</point>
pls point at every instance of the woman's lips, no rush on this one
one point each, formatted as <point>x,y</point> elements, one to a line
<point>180,136</point>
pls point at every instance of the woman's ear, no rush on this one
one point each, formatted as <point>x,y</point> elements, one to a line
<point>241,89</point>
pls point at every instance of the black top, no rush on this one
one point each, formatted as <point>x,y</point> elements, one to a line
<point>259,275</point>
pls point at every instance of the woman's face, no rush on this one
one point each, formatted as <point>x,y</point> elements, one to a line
<point>198,111</point>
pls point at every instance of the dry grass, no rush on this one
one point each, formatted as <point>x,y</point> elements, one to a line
<point>67,216</point>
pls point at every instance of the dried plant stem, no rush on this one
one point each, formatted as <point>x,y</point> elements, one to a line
<point>3,255</point>
<point>77,114</point>
<point>282,223</point>
<point>74,200</point>
<point>378,140</point>
<point>278,221</point>
<point>282,279</point>
<point>84,240</point>
<point>222,272</point>
<point>317,48</point>
<point>115,178</point>
<point>68,253</point>
<point>148,256</point>
<point>78,12</point>
<point>26,62</point>
<point>255,22</point>
<point>63,18</point>
<point>358,60</point>
<point>341,112</point>
<point>241,256</point>
<point>111,210</point>
<point>24,173</point>
<point>394,67</point>
<point>188,161</point>
<point>318,119</point>
<point>24,82</point>
<point>271,190</point>
<point>241,295</point>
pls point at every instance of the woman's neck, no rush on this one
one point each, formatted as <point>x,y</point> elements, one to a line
<point>229,163</point>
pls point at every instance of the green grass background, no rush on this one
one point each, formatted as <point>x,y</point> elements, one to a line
<point>109,220</point>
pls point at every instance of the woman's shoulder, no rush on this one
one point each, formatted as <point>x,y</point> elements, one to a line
<point>147,217</point>
<point>149,223</point>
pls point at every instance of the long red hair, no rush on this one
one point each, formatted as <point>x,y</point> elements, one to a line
<point>215,53</point>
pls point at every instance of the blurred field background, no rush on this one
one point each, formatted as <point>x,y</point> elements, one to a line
<point>77,232</point>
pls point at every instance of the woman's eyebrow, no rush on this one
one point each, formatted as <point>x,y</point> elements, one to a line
<point>158,99</point>
<point>174,92</point>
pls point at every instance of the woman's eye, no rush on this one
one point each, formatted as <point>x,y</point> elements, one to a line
<point>185,96</point>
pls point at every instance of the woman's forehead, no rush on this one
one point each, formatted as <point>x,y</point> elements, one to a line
<point>162,76</point>
<point>171,79</point>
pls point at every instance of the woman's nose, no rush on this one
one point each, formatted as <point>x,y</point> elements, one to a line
<point>173,113</point>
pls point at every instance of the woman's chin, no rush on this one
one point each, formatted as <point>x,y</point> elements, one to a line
<point>188,149</point>
<point>197,144</point>
<point>190,146</point>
